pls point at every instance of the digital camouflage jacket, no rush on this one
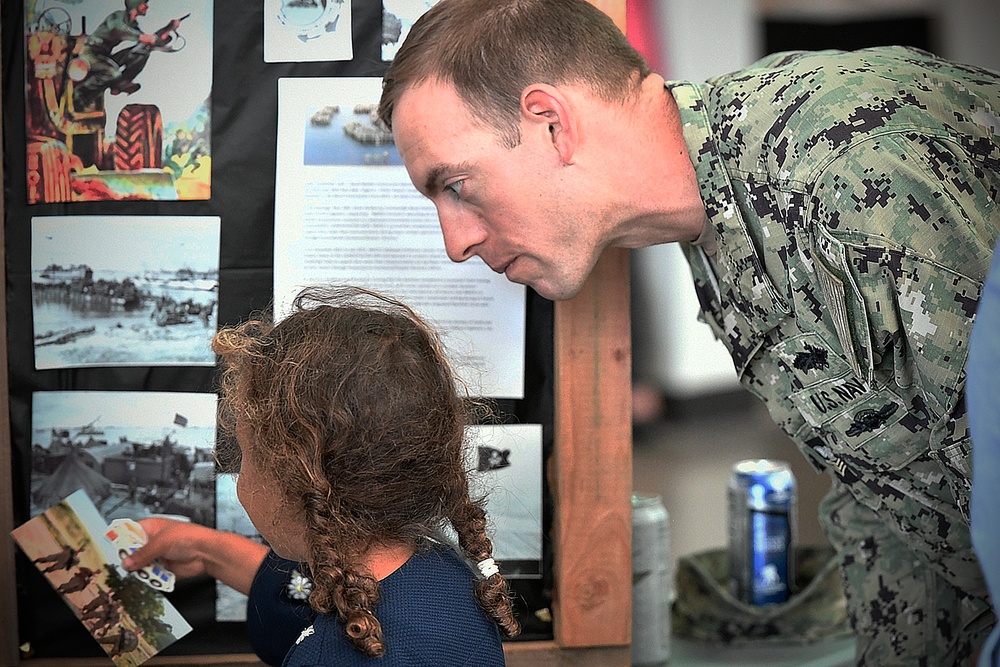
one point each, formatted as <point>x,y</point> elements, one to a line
<point>854,199</point>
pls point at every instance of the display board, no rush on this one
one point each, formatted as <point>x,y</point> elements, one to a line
<point>576,361</point>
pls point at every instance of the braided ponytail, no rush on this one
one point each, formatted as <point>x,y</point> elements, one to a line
<point>491,592</point>
<point>338,586</point>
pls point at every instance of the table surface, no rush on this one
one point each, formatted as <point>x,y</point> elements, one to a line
<point>828,653</point>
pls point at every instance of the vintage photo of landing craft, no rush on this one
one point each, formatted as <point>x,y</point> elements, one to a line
<point>124,290</point>
<point>134,453</point>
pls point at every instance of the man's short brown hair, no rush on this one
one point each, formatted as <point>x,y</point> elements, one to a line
<point>491,50</point>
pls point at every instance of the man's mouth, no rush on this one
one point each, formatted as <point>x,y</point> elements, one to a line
<point>502,268</point>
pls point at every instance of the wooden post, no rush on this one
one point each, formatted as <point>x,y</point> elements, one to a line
<point>613,8</point>
<point>591,471</point>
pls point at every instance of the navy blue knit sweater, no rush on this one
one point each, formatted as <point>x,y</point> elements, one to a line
<point>426,608</point>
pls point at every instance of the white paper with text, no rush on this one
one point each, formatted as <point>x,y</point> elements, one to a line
<point>346,213</point>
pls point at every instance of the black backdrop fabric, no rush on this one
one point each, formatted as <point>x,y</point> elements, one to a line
<point>243,140</point>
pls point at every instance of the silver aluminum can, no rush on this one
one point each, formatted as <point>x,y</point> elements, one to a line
<point>651,584</point>
<point>762,534</point>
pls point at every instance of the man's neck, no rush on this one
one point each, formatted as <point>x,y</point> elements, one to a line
<point>666,200</point>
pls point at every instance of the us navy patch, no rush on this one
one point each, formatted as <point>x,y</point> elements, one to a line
<point>812,358</point>
<point>823,402</point>
<point>853,415</point>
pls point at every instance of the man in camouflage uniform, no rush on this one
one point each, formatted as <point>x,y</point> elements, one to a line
<point>874,201</point>
<point>838,211</point>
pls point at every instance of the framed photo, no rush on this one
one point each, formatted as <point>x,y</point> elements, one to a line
<point>124,290</point>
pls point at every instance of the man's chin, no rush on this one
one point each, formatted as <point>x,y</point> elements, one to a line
<point>556,292</point>
<point>552,290</point>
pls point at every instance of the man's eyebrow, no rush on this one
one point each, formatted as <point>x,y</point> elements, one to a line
<point>435,176</point>
<point>434,181</point>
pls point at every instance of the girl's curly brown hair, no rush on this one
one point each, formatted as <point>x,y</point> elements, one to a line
<point>351,407</point>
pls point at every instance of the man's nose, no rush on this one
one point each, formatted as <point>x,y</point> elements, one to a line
<point>462,234</point>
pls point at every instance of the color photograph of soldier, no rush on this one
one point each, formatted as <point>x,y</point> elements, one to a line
<point>102,613</point>
<point>81,578</point>
<point>67,543</point>
<point>105,116</point>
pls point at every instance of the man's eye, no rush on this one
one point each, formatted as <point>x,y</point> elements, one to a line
<point>455,188</point>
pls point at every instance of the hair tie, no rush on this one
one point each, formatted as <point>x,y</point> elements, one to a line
<point>488,568</point>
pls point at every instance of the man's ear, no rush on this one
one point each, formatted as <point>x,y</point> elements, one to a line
<point>546,107</point>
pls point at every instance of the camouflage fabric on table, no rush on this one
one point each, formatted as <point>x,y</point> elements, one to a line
<point>705,609</point>
<point>853,199</point>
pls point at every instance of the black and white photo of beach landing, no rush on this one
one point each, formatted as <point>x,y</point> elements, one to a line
<point>230,604</point>
<point>135,454</point>
<point>124,290</point>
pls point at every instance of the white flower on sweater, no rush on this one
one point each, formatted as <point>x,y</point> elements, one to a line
<point>300,586</point>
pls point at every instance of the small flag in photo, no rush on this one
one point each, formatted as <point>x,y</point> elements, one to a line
<point>180,420</point>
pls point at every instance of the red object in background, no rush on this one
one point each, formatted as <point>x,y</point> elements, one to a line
<point>642,28</point>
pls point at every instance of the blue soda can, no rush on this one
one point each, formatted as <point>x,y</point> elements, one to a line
<point>762,531</point>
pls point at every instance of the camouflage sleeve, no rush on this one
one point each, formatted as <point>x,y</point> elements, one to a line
<point>771,61</point>
<point>905,226</point>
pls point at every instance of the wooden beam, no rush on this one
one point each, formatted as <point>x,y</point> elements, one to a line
<point>591,470</point>
<point>550,654</point>
<point>517,654</point>
<point>613,8</point>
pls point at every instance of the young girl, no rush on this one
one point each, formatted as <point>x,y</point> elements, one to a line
<point>350,450</point>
